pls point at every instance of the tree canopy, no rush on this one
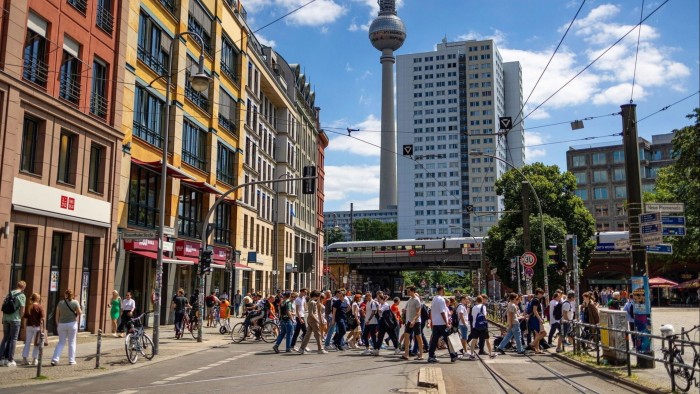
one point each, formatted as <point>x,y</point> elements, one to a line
<point>374,230</point>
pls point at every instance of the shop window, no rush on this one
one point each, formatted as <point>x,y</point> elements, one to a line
<point>67,157</point>
<point>144,187</point>
<point>20,252</point>
<point>189,213</point>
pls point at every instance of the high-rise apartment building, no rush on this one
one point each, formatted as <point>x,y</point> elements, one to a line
<point>600,174</point>
<point>449,102</point>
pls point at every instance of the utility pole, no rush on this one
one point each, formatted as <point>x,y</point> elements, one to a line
<point>352,224</point>
<point>525,193</point>
<point>642,317</point>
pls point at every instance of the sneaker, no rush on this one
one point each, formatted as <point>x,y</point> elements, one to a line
<point>330,347</point>
<point>307,349</point>
<point>25,361</point>
<point>276,348</point>
<point>367,352</point>
<point>560,350</point>
<point>288,351</point>
<point>397,351</point>
<point>54,363</point>
<point>11,364</point>
<point>73,363</point>
<point>301,351</point>
<point>500,351</point>
<point>472,357</point>
<point>295,349</point>
<point>3,363</point>
<point>322,352</point>
<point>35,362</point>
<point>375,352</point>
<point>433,360</point>
<point>455,358</point>
<point>492,355</point>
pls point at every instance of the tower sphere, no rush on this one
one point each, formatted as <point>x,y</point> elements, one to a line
<point>387,32</point>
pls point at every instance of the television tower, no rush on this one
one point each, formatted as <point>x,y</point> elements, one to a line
<point>387,33</point>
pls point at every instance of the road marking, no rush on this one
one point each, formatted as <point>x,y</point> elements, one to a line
<point>172,378</point>
<point>169,380</point>
<point>159,382</point>
<point>128,392</point>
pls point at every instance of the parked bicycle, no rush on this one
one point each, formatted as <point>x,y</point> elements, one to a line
<point>682,376</point>
<point>137,341</point>
<point>190,322</point>
<point>262,330</point>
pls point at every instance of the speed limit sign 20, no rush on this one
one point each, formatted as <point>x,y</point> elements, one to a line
<point>528,259</point>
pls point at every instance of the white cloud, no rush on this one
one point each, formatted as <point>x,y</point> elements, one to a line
<point>351,180</point>
<point>324,30</point>
<point>498,37</point>
<point>348,67</point>
<point>265,41</point>
<point>318,13</point>
<point>532,152</point>
<point>365,142</point>
<point>373,12</point>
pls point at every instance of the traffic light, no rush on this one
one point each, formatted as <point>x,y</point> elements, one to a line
<point>570,253</point>
<point>556,254</point>
<point>205,261</point>
<point>308,186</point>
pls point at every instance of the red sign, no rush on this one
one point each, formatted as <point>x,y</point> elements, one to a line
<point>220,254</point>
<point>64,202</point>
<point>150,245</point>
<point>187,248</point>
<point>528,259</point>
<point>412,252</point>
<point>68,203</point>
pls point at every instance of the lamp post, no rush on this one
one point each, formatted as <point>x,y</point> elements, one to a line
<point>200,82</point>
<point>291,198</point>
<point>539,208</point>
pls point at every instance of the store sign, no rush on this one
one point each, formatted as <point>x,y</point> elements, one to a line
<point>187,248</point>
<point>150,245</point>
<point>220,254</point>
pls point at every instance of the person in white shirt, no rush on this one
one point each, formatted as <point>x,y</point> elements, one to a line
<point>440,318</point>
<point>554,323</point>
<point>371,321</point>
<point>128,307</point>
<point>463,317</point>
<point>480,328</point>
<point>300,308</point>
<point>568,309</point>
<point>413,324</point>
<point>384,327</point>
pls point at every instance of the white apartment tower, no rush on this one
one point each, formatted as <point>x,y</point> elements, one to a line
<point>449,102</point>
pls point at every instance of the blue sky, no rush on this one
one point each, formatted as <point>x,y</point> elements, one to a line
<point>329,39</point>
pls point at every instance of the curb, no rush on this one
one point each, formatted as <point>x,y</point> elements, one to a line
<point>431,378</point>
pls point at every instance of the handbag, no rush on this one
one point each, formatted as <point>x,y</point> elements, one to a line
<point>69,308</point>
<point>37,338</point>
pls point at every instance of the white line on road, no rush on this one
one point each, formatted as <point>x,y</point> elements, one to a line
<point>169,380</point>
<point>128,392</point>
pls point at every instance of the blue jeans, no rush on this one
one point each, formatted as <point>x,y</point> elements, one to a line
<point>9,339</point>
<point>513,332</point>
<point>179,316</point>
<point>329,334</point>
<point>236,309</point>
<point>286,332</point>
<point>340,330</point>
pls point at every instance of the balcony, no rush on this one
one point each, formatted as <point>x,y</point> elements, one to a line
<point>227,124</point>
<point>104,19</point>
<point>195,26</point>
<point>228,70</point>
<point>147,134</point>
<point>70,88</point>
<point>169,5</point>
<point>35,70</point>
<point>80,5</point>
<point>194,160</point>
<point>158,65</point>
<point>98,105</point>
<point>199,99</point>
<point>225,177</point>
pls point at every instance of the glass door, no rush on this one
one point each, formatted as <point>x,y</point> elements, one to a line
<point>54,298</point>
<point>85,283</point>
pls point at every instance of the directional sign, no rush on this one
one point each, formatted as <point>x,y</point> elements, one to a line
<point>408,150</point>
<point>529,272</point>
<point>506,123</point>
<point>528,259</point>
<point>660,249</point>
<point>139,234</point>
<point>650,217</point>
<point>652,239</point>
<point>622,244</point>
<point>674,231</point>
<point>652,228</point>
<point>673,220</point>
<point>668,207</point>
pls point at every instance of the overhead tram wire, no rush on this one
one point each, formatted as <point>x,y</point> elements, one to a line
<point>636,53</point>
<point>668,106</point>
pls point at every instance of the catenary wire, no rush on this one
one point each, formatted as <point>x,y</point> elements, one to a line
<point>636,53</point>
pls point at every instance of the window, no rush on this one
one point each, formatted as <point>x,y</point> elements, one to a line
<point>619,174</point>
<point>582,193</point>
<point>34,65</point>
<point>225,164</point>
<point>20,254</point>
<point>80,5</point>
<point>149,117</point>
<point>70,72</point>
<point>30,157</point>
<point>153,45</point>
<point>580,177</point>
<point>98,96</point>
<point>66,158</point>
<point>144,186</point>
<point>199,22</point>
<point>201,99</point>
<point>189,212</point>
<point>578,161</point>
<point>618,156</point>
<point>229,58</point>
<point>620,191</point>
<point>598,158</point>
<point>222,224</point>
<point>600,193</point>
<point>600,176</point>
<point>194,142</point>
<point>228,110</point>
<point>104,19</point>
<point>602,210</point>
<point>95,179</point>
<point>620,210</point>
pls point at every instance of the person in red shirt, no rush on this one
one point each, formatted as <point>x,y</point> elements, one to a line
<point>397,312</point>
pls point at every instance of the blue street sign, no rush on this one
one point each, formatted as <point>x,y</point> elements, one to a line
<point>660,249</point>
<point>673,220</point>
<point>677,231</point>
<point>649,217</point>
<point>605,247</point>
<point>651,228</point>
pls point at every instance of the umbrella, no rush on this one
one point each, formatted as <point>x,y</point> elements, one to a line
<point>689,284</point>
<point>661,282</point>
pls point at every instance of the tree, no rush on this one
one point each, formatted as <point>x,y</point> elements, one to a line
<point>374,230</point>
<point>564,213</point>
<point>336,234</point>
<point>680,182</point>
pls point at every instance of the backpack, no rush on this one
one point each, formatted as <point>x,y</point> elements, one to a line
<point>9,306</point>
<point>558,311</point>
<point>424,313</point>
<point>389,319</point>
<point>351,319</point>
<point>455,318</point>
<point>209,301</point>
<point>480,322</point>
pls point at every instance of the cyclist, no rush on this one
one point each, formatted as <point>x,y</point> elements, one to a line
<point>256,313</point>
<point>212,302</point>
<point>194,302</point>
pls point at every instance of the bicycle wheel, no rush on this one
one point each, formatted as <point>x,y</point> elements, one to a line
<point>147,347</point>
<point>268,332</point>
<point>682,376</point>
<point>238,333</point>
<point>223,330</point>
<point>194,328</point>
<point>131,348</point>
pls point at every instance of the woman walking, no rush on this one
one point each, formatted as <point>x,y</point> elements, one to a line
<point>128,305</point>
<point>35,324</point>
<point>67,316</point>
<point>115,306</point>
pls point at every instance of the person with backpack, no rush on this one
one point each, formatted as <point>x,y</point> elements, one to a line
<point>555,305</point>
<point>12,312</point>
<point>568,308</point>
<point>535,322</point>
<point>387,325</point>
<point>441,323</point>
<point>424,319</point>
<point>413,324</point>
<point>369,333</point>
<point>286,323</point>
<point>614,303</point>
<point>353,318</point>
<point>480,328</point>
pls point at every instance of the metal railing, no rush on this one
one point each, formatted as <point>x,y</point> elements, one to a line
<point>104,19</point>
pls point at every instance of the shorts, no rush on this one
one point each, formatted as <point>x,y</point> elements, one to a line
<point>533,325</point>
<point>463,332</point>
<point>479,334</point>
<point>413,329</point>
<point>566,328</point>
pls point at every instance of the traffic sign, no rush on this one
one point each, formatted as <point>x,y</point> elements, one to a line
<point>668,207</point>
<point>139,234</point>
<point>528,259</point>
<point>674,231</point>
<point>673,220</point>
<point>408,150</point>
<point>660,249</point>
<point>506,123</point>
<point>529,272</point>
<point>651,228</point>
<point>650,217</point>
<point>652,239</point>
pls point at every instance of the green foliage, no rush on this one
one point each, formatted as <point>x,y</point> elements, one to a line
<point>564,213</point>
<point>680,182</point>
<point>449,279</point>
<point>335,234</point>
<point>374,230</point>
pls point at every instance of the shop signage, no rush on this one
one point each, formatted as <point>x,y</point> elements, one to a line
<point>187,248</point>
<point>220,254</point>
<point>150,245</point>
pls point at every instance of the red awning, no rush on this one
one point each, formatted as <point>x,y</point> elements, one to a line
<point>202,187</point>
<point>156,166</point>
<point>192,260</point>
<point>154,256</point>
<point>242,267</point>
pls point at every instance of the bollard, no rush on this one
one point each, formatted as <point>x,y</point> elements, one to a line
<point>629,357</point>
<point>597,344</point>
<point>672,356</point>
<point>99,348</point>
<point>41,353</point>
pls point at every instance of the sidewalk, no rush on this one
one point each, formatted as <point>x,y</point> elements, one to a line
<point>112,358</point>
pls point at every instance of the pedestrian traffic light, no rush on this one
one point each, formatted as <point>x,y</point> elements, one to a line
<point>205,261</point>
<point>308,185</point>
<point>570,253</point>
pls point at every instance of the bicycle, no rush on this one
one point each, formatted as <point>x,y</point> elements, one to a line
<point>682,376</point>
<point>190,324</point>
<point>266,331</point>
<point>137,341</point>
<point>214,314</point>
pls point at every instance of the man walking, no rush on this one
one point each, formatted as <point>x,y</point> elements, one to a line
<point>237,298</point>
<point>371,321</point>
<point>513,326</point>
<point>313,323</point>
<point>567,309</point>
<point>439,315</point>
<point>11,323</point>
<point>413,322</point>
<point>554,318</point>
<point>286,323</point>
<point>300,308</point>
<point>340,309</point>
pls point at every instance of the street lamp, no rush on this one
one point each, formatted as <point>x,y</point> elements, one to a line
<point>200,82</point>
<point>291,198</point>
<point>539,208</point>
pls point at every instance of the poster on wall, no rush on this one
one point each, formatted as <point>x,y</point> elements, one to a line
<point>642,312</point>
<point>84,294</point>
<point>54,281</point>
